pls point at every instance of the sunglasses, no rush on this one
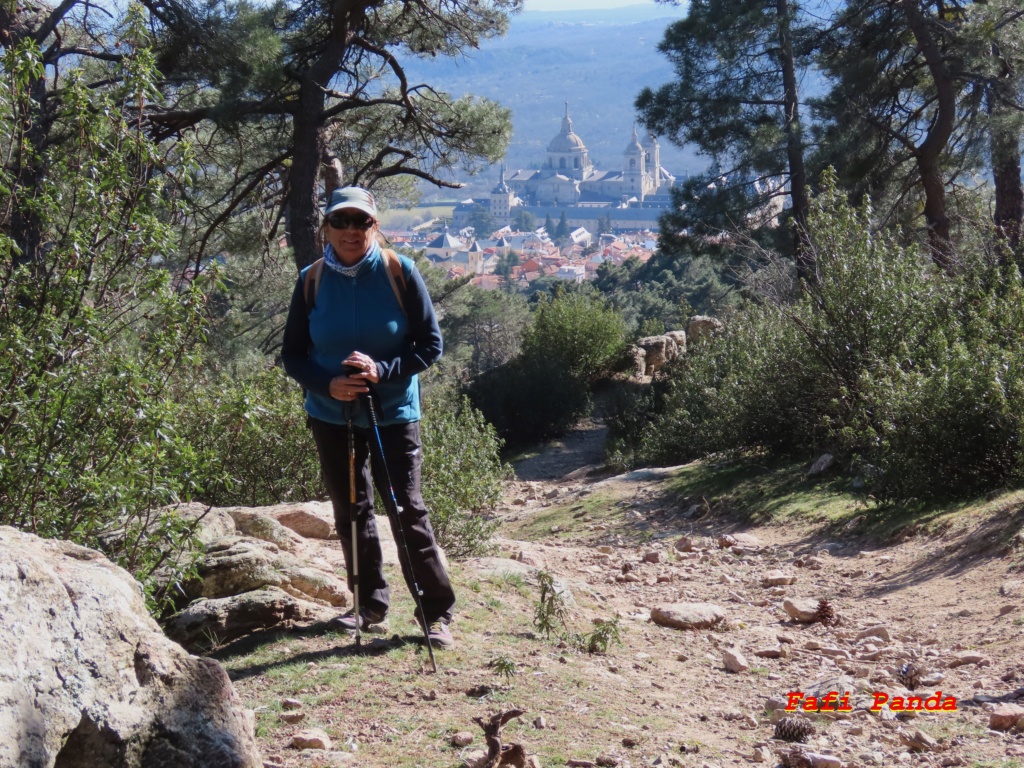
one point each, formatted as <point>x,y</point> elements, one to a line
<point>344,221</point>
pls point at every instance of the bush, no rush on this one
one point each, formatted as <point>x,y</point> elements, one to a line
<point>546,389</point>
<point>462,473</point>
<point>914,378</point>
<point>93,333</point>
<point>253,427</point>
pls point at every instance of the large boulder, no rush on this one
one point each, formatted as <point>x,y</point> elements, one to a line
<point>700,327</point>
<point>658,350</point>
<point>238,564</point>
<point>679,337</point>
<point>207,623</point>
<point>87,679</point>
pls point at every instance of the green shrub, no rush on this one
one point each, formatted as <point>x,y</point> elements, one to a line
<point>253,426</point>
<point>463,475</point>
<point>546,389</point>
<point>92,332</point>
<point>913,378</point>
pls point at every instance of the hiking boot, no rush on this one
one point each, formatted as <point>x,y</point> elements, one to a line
<point>439,634</point>
<point>368,617</point>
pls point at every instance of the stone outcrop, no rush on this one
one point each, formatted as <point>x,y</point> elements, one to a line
<point>658,350</point>
<point>679,337</point>
<point>702,327</point>
<point>238,564</point>
<point>88,679</point>
<point>688,615</point>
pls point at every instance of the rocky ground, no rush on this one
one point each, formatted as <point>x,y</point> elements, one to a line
<point>721,626</point>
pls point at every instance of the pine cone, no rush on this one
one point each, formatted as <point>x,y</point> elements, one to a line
<point>795,758</point>
<point>826,613</point>
<point>793,729</point>
<point>911,673</point>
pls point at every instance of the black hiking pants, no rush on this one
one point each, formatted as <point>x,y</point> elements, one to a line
<point>418,555</point>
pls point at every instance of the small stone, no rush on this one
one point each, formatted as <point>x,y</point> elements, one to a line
<point>1003,610</point>
<point>878,631</point>
<point>685,544</point>
<point>688,615</point>
<point>823,761</point>
<point>761,755</point>
<point>291,704</point>
<point>653,557</point>
<point>778,578</point>
<point>1013,588</point>
<point>822,465</point>
<point>314,738</point>
<point>462,739</point>
<point>919,741</point>
<point>540,723</point>
<point>961,658</point>
<point>292,717</point>
<point>1003,717</point>
<point>804,610</point>
<point>774,652</point>
<point>734,661</point>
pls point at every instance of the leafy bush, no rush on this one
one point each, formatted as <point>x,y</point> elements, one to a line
<point>914,378</point>
<point>463,474</point>
<point>93,333</point>
<point>253,426</point>
<point>546,389</point>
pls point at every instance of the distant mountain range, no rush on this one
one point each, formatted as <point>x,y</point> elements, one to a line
<point>596,60</point>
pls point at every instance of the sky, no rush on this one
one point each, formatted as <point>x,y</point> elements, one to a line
<point>575,5</point>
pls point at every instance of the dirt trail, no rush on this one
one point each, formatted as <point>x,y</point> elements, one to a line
<point>952,604</point>
<point>949,603</point>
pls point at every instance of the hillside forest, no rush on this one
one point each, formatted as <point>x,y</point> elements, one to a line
<point>163,165</point>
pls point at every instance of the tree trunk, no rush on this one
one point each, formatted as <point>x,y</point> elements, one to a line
<point>929,152</point>
<point>799,197</point>
<point>308,131</point>
<point>1006,157</point>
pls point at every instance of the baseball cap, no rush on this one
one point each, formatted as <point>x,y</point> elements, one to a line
<point>351,197</point>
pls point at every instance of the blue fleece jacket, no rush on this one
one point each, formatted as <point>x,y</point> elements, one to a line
<point>362,314</point>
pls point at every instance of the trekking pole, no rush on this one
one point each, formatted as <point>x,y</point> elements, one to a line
<point>355,529</point>
<point>417,592</point>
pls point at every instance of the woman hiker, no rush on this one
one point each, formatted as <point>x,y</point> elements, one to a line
<point>364,318</point>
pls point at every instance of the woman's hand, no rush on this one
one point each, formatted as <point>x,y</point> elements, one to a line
<point>365,365</point>
<point>348,388</point>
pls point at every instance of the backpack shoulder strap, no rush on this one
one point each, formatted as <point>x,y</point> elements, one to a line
<point>311,284</point>
<point>395,276</point>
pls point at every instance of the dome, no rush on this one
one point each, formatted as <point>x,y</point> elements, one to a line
<point>566,142</point>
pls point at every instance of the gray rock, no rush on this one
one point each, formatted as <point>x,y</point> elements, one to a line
<point>679,337</point>
<point>1012,588</point>
<point>208,623</point>
<point>734,661</point>
<point>257,526</point>
<point>313,738</point>
<point>638,360</point>
<point>238,564</point>
<point>801,609</point>
<point>88,679</point>
<point>822,465</point>
<point>702,327</point>
<point>688,615</point>
<point>778,578</point>
<point>878,630</point>
<point>658,350</point>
